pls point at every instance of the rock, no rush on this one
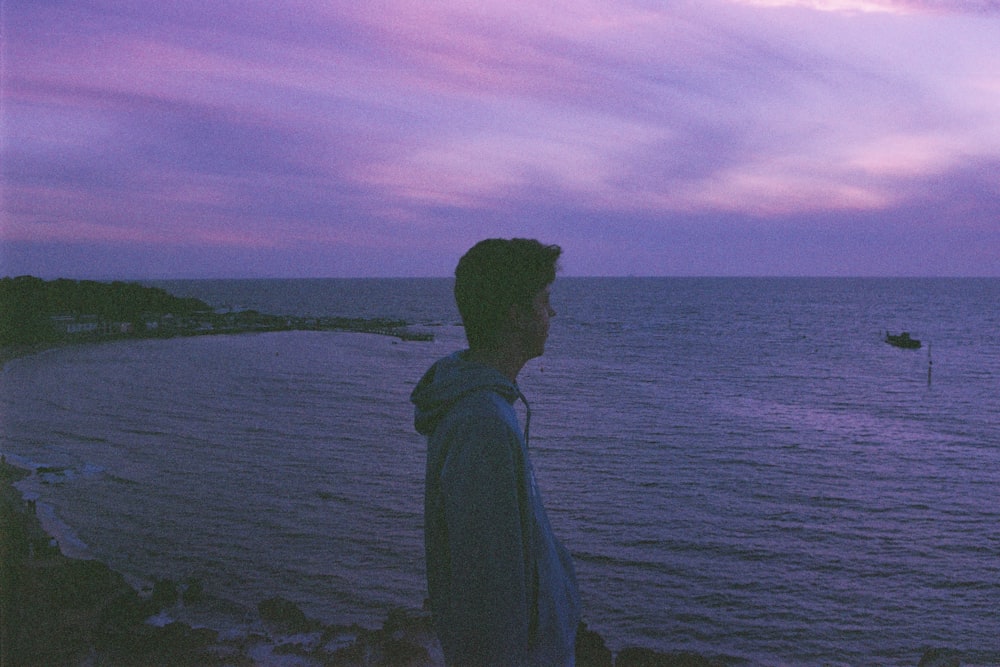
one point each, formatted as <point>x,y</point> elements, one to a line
<point>164,594</point>
<point>293,649</point>
<point>403,653</point>
<point>940,657</point>
<point>194,591</point>
<point>408,621</point>
<point>122,614</point>
<point>644,657</point>
<point>175,644</point>
<point>591,651</point>
<point>376,649</point>
<point>406,639</point>
<point>284,616</point>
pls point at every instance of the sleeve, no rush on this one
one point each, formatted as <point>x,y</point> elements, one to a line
<point>483,506</point>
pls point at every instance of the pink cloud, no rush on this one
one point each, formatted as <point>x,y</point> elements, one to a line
<point>984,7</point>
<point>265,125</point>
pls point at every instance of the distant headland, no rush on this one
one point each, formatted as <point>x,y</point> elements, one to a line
<point>35,313</point>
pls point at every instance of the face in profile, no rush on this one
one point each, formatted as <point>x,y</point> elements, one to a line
<point>536,324</point>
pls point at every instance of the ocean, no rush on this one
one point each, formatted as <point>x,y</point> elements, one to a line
<point>741,467</point>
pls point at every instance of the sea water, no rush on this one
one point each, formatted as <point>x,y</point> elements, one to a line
<point>740,467</point>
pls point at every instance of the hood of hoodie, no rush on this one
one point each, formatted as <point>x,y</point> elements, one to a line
<point>448,380</point>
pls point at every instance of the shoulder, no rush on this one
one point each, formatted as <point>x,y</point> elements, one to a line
<point>481,438</point>
<point>485,399</point>
<point>481,415</point>
<point>481,410</point>
<point>479,426</point>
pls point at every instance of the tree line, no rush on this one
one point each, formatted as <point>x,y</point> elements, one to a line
<point>28,304</point>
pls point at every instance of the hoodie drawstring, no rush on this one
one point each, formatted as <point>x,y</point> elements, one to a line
<point>527,416</point>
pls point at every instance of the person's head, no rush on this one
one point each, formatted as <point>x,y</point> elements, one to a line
<point>500,286</point>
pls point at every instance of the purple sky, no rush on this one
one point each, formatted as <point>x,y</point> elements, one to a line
<point>380,138</point>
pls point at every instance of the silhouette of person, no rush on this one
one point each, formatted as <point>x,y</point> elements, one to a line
<point>502,588</point>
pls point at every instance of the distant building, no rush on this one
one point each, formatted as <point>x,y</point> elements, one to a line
<point>76,325</point>
<point>73,325</point>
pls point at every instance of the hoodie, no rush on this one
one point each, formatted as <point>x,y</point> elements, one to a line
<point>502,589</point>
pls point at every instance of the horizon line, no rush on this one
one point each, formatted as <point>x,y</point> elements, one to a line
<point>560,277</point>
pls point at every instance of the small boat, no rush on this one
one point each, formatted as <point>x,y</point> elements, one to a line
<point>903,340</point>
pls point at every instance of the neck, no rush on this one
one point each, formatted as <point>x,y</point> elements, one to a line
<point>505,361</point>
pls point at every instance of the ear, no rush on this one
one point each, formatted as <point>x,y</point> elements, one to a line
<point>518,316</point>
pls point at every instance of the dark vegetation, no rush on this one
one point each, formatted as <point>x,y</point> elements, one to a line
<point>28,306</point>
<point>38,312</point>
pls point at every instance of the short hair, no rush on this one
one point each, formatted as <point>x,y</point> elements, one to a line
<point>496,274</point>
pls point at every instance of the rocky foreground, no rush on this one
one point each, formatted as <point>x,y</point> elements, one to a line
<point>59,611</point>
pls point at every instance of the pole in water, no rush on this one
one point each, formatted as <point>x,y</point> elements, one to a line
<point>930,364</point>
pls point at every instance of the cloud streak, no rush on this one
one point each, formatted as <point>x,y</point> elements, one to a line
<point>400,133</point>
<point>982,7</point>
